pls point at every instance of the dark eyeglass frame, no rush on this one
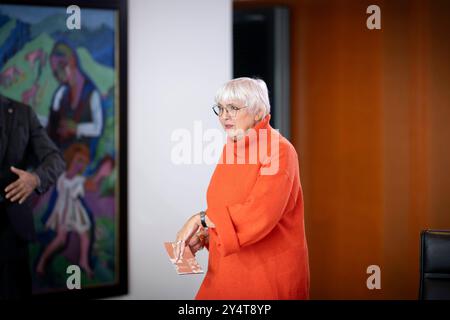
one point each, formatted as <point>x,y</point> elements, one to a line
<point>231,110</point>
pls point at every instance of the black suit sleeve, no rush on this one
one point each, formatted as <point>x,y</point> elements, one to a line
<point>50,162</point>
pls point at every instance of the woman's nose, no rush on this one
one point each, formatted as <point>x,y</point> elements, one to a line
<point>226,114</point>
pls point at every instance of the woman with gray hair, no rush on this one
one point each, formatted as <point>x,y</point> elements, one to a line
<point>253,226</point>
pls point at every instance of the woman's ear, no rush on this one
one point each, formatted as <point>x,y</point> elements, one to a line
<point>259,115</point>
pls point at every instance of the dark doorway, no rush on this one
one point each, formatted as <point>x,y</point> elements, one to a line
<point>261,50</point>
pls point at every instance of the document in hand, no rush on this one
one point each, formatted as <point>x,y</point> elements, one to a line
<point>187,264</point>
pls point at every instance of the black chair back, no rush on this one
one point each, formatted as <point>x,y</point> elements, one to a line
<point>434,265</point>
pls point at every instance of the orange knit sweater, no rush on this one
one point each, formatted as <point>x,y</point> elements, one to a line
<point>258,248</point>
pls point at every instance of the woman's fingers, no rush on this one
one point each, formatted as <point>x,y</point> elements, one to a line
<point>196,247</point>
<point>197,241</point>
<point>194,240</point>
<point>185,235</point>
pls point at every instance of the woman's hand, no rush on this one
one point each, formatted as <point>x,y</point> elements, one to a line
<point>185,235</point>
<point>198,240</point>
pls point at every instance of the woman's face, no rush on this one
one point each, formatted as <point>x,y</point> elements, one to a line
<point>79,163</point>
<point>236,118</point>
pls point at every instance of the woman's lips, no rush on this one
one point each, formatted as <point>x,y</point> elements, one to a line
<point>228,126</point>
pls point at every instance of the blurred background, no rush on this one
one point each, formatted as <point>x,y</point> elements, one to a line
<point>368,112</point>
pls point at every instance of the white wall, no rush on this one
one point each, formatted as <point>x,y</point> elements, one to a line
<point>179,54</point>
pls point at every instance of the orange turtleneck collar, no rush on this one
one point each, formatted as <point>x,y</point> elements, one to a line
<point>250,142</point>
<point>262,124</point>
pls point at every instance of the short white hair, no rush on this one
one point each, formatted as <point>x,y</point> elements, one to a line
<point>252,92</point>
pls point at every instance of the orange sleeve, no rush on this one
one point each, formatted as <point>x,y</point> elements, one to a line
<point>245,223</point>
<point>207,243</point>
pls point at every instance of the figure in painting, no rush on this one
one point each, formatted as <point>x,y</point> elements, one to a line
<point>70,213</point>
<point>76,113</point>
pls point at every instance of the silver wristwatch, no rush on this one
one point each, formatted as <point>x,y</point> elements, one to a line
<point>203,219</point>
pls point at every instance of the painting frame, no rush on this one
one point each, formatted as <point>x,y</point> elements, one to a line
<point>120,286</point>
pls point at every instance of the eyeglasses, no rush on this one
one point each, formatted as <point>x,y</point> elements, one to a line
<point>231,110</point>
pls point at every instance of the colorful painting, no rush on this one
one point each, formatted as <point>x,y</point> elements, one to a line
<point>72,80</point>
